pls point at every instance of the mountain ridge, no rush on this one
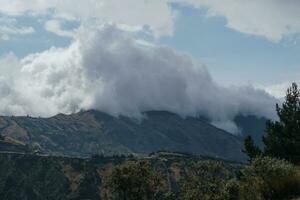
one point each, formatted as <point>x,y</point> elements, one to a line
<point>94,132</point>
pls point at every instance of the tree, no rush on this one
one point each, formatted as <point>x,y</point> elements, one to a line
<point>250,149</point>
<point>134,181</point>
<point>205,181</point>
<point>282,138</point>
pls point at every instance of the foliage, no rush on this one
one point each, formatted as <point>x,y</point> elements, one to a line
<point>282,138</point>
<point>134,181</point>
<point>231,190</point>
<point>167,178</point>
<point>270,178</point>
<point>250,149</point>
<point>205,182</point>
<point>2,137</point>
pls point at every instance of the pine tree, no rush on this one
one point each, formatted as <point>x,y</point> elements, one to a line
<point>250,149</point>
<point>282,138</point>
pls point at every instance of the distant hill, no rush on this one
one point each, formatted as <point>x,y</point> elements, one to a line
<point>92,132</point>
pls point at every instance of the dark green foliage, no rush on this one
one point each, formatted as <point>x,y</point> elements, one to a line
<point>134,181</point>
<point>167,177</point>
<point>231,190</point>
<point>270,179</point>
<point>282,138</point>
<point>2,137</point>
<point>89,187</point>
<point>206,181</point>
<point>25,178</point>
<point>250,149</point>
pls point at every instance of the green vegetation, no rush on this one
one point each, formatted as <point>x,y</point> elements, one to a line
<point>274,172</point>
<point>134,181</point>
<point>206,181</point>
<point>269,178</point>
<point>282,139</point>
<point>159,177</point>
<point>251,149</point>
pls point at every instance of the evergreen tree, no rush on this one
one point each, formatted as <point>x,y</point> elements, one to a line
<point>282,138</point>
<point>250,149</point>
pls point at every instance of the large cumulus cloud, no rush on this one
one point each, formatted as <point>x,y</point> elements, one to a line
<point>107,69</point>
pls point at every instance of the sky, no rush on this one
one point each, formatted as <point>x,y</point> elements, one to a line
<point>67,55</point>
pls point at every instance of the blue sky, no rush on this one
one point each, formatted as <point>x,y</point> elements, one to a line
<point>233,57</point>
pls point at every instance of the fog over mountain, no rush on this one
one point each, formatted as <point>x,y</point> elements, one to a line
<point>109,70</point>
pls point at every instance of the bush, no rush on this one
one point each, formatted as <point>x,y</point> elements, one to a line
<point>231,190</point>
<point>253,189</point>
<point>206,181</point>
<point>270,178</point>
<point>134,181</point>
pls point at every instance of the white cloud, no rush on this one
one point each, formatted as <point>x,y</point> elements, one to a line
<point>272,19</point>
<point>55,27</point>
<point>276,90</point>
<point>106,69</point>
<point>9,27</point>
<point>16,30</point>
<point>155,14</point>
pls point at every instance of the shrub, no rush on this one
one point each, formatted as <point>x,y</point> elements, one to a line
<point>134,181</point>
<point>270,178</point>
<point>231,190</point>
<point>206,181</point>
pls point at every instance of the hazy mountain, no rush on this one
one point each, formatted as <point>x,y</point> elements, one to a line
<point>253,126</point>
<point>93,132</point>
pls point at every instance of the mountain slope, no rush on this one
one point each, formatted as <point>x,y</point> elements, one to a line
<point>93,132</point>
<point>253,126</point>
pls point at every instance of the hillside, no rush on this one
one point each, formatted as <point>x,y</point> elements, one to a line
<point>10,145</point>
<point>93,132</point>
<point>35,177</point>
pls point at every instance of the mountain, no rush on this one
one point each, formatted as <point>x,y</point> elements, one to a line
<point>253,126</point>
<point>93,132</point>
